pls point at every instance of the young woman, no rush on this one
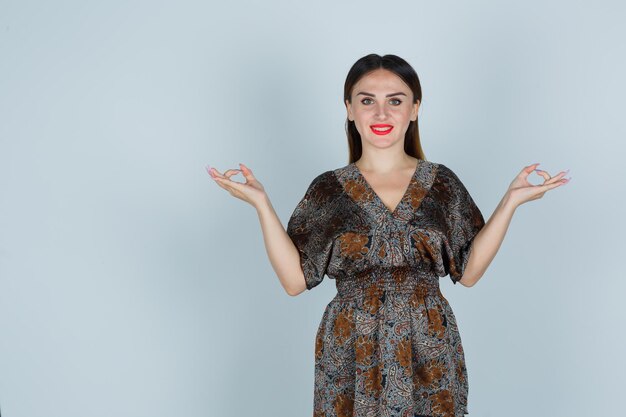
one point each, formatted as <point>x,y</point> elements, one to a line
<point>386,227</point>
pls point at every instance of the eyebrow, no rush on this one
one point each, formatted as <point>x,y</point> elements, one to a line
<point>388,95</point>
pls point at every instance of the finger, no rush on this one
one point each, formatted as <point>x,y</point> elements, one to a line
<point>230,172</point>
<point>543,173</point>
<point>552,185</point>
<point>220,182</point>
<point>530,167</point>
<point>557,177</point>
<point>227,174</point>
<point>247,172</point>
<point>214,172</point>
<point>230,184</point>
<point>526,171</point>
<point>550,179</point>
<point>225,184</point>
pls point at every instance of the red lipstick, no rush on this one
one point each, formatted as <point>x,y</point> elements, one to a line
<point>382,129</point>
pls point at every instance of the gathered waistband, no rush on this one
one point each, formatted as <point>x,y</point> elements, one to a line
<point>377,281</point>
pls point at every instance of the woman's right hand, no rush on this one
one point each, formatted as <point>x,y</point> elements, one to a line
<point>251,191</point>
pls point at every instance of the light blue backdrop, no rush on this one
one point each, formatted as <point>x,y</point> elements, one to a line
<point>132,285</point>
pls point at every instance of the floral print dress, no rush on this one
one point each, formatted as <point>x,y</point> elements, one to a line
<point>388,344</point>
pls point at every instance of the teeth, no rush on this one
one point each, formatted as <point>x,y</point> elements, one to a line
<point>381,129</point>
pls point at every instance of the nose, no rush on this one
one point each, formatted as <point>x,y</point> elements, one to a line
<point>381,111</point>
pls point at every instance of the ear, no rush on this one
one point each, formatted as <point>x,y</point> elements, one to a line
<point>416,107</point>
<point>349,110</point>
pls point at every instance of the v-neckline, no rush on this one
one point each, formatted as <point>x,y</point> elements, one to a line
<point>377,197</point>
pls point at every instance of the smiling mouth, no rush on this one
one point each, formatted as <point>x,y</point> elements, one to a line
<point>381,129</point>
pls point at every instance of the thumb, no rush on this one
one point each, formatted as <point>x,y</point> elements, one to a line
<point>246,171</point>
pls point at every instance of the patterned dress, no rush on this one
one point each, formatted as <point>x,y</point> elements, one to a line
<point>388,344</point>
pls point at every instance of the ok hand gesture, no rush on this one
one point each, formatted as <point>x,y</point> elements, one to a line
<point>251,191</point>
<point>521,191</point>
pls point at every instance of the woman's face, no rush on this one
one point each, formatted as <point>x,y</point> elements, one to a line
<point>381,108</point>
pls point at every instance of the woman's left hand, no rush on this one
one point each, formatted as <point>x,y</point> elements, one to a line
<point>521,191</point>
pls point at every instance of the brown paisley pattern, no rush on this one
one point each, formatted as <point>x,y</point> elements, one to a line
<point>388,344</point>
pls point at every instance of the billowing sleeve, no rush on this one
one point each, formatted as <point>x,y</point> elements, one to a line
<point>309,229</point>
<point>463,221</point>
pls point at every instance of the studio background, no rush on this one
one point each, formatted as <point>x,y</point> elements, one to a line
<point>132,285</point>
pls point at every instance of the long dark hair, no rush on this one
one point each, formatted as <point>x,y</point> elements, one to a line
<point>402,69</point>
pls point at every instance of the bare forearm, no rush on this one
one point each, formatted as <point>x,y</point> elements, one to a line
<point>488,241</point>
<point>282,253</point>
